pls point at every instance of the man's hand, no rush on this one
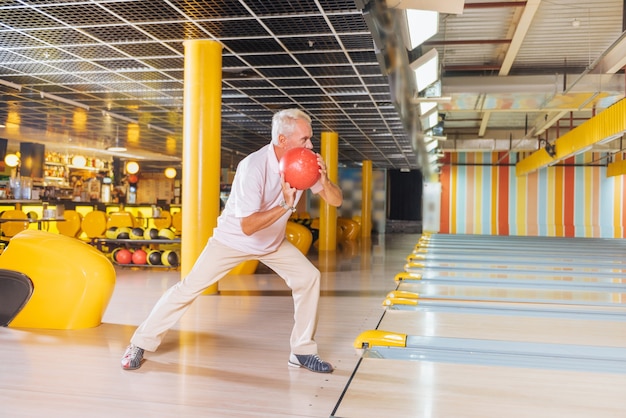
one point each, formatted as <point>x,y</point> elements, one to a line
<point>331,193</point>
<point>289,193</point>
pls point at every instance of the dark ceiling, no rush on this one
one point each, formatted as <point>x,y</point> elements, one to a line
<point>122,61</point>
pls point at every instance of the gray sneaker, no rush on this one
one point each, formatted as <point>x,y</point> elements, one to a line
<point>133,357</point>
<point>310,361</point>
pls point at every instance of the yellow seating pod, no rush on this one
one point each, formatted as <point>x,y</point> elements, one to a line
<point>300,236</point>
<point>10,229</point>
<point>71,226</point>
<point>94,224</point>
<point>177,222</point>
<point>347,229</point>
<point>120,219</point>
<point>245,267</point>
<point>164,220</point>
<point>73,282</point>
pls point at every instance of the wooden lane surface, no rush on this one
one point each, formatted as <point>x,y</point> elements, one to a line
<point>392,387</point>
<point>398,388</point>
<point>529,294</point>
<point>506,327</point>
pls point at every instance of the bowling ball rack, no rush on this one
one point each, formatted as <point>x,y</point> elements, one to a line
<point>107,246</point>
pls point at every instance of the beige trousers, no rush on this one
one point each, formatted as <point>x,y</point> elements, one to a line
<point>215,261</point>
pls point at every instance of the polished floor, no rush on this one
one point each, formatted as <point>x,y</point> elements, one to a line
<point>227,357</point>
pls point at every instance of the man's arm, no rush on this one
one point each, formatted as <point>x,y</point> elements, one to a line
<point>331,193</point>
<point>259,220</point>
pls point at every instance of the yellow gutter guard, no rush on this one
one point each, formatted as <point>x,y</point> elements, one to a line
<point>380,338</point>
<point>405,275</point>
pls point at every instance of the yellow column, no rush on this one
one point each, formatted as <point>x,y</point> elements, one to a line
<point>328,213</point>
<point>201,148</point>
<point>366,199</point>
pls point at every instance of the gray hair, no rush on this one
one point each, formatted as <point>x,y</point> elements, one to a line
<point>282,122</point>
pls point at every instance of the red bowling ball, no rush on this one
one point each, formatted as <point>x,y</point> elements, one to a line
<point>299,165</point>
<point>123,256</point>
<point>140,257</point>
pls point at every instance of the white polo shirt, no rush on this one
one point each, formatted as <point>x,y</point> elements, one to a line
<point>256,188</point>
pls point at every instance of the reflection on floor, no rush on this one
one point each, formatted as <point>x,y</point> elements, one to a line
<point>498,326</point>
<point>227,357</point>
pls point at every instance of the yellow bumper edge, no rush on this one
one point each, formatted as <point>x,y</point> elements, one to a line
<point>411,258</point>
<point>402,294</point>
<point>380,338</point>
<point>399,301</point>
<point>405,275</point>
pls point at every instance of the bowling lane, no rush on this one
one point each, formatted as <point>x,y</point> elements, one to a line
<point>521,328</point>
<point>503,292</point>
<point>433,389</point>
<point>520,325</point>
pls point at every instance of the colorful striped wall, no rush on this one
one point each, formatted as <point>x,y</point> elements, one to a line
<point>482,195</point>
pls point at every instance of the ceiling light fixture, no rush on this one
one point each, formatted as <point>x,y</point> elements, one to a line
<point>117,146</point>
<point>448,6</point>
<point>431,144</point>
<point>63,100</point>
<point>429,120</point>
<point>79,161</point>
<point>132,167</point>
<point>426,69</point>
<point>432,158</point>
<point>170,172</point>
<point>11,160</point>
<point>426,107</point>
<point>445,99</point>
<point>422,24</point>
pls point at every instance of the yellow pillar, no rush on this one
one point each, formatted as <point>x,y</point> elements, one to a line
<point>328,213</point>
<point>366,199</point>
<point>201,148</point>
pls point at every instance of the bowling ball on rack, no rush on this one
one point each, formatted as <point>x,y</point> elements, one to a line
<point>300,168</point>
<point>166,233</point>
<point>136,233</point>
<point>154,258</point>
<point>139,257</point>
<point>123,256</point>
<point>114,253</point>
<point>169,258</point>
<point>111,233</point>
<point>122,232</point>
<point>151,233</point>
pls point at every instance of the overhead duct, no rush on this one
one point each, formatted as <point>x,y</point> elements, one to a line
<point>604,127</point>
<point>616,168</point>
